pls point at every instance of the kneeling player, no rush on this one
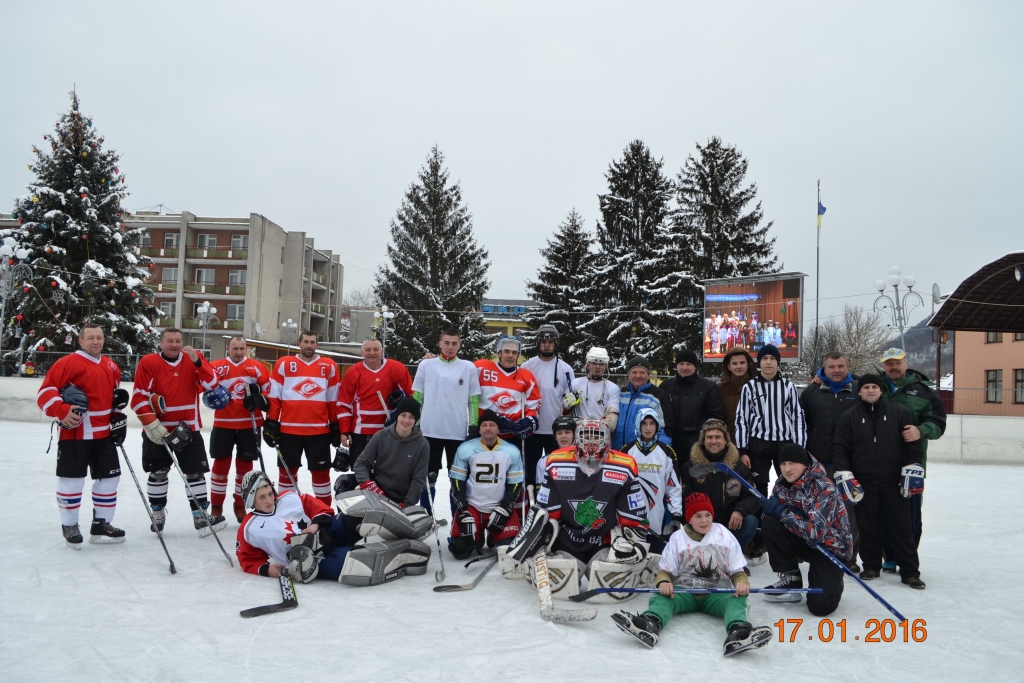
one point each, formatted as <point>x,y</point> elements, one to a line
<point>591,514</point>
<point>298,532</point>
<point>656,463</point>
<point>703,554</point>
<point>487,477</point>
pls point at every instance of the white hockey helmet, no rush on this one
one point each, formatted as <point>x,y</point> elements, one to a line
<point>592,440</point>
<point>506,341</point>
<point>597,363</point>
<point>252,482</point>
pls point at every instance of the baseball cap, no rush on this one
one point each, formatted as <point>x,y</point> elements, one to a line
<point>893,354</point>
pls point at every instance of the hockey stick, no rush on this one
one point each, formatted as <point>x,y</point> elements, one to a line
<point>149,510</point>
<point>256,433</point>
<point>281,464</point>
<point>439,574</point>
<point>586,595</point>
<point>702,470</point>
<point>192,497</point>
<point>468,586</point>
<point>288,599</point>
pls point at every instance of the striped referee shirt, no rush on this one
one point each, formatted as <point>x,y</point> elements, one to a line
<point>770,410</point>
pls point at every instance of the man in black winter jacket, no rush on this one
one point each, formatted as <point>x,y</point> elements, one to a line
<point>693,400</point>
<point>871,457</point>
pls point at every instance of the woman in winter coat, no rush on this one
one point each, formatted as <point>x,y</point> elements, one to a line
<point>734,376</point>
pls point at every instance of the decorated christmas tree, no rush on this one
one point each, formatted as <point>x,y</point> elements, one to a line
<point>84,262</point>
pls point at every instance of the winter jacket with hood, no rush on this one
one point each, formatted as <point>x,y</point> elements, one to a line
<point>631,402</point>
<point>727,494</point>
<point>818,514</point>
<point>399,466</point>
<point>656,463</point>
<point>823,404</point>
<point>729,387</point>
<point>924,405</point>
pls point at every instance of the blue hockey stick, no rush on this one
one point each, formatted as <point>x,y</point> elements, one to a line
<point>702,470</point>
<point>586,595</point>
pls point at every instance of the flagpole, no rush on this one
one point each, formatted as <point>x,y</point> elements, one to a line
<point>817,282</point>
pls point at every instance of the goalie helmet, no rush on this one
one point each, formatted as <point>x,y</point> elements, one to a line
<point>252,482</point>
<point>597,363</point>
<point>217,398</point>
<point>592,439</point>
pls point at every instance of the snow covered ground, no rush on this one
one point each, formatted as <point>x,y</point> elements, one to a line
<point>114,613</point>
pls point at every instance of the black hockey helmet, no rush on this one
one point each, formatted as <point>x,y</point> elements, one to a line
<point>563,422</point>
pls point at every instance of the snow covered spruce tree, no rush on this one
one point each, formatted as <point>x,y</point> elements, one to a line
<point>648,304</point>
<point>437,275</point>
<point>711,201</point>
<point>562,288</point>
<point>83,259</point>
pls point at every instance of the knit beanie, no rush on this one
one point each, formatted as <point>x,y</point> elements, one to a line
<point>488,416</point>
<point>769,350</point>
<point>408,405</point>
<point>687,356</point>
<point>870,378</point>
<point>794,452</point>
<point>638,362</point>
<point>695,502</point>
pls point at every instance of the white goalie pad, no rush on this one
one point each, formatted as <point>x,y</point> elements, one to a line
<point>563,576</point>
<point>604,574</point>
<point>376,563</point>
<point>377,516</point>
<point>510,569</point>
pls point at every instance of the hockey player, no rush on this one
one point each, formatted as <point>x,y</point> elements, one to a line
<point>299,533</point>
<point>554,379</point>
<point>369,392</point>
<point>509,390</point>
<point>594,396</point>
<point>656,464</point>
<point>303,416</point>
<point>564,431</point>
<point>246,382</point>
<point>702,554</point>
<point>395,461</point>
<point>167,386</point>
<point>592,515</point>
<point>79,392</point>
<point>487,477</point>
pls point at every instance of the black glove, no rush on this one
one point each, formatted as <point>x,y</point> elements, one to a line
<point>121,399</point>
<point>467,525</point>
<point>271,433</point>
<point>773,507</point>
<point>180,438</point>
<point>335,434</point>
<point>474,433</point>
<point>394,397</point>
<point>506,425</point>
<point>496,522</point>
<point>254,399</point>
<point>118,427</point>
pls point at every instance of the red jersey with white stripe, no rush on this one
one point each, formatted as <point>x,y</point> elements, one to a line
<point>362,399</point>
<point>97,378</point>
<point>512,394</point>
<point>234,377</point>
<point>265,538</point>
<point>179,382</point>
<point>304,395</point>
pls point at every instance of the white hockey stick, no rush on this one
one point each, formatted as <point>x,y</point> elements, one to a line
<point>548,611</point>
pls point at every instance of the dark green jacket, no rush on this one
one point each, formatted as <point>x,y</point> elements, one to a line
<point>920,400</point>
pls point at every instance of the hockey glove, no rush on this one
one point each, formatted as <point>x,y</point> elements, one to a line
<point>625,551</point>
<point>773,507</point>
<point>849,487</point>
<point>271,433</point>
<point>180,438</point>
<point>342,460</point>
<point>371,486</point>
<point>154,430</point>
<point>394,397</point>
<point>121,398</point>
<point>525,426</point>
<point>571,400</point>
<point>467,525</point>
<point>335,432</point>
<point>505,425</point>
<point>118,427</point>
<point>496,522</point>
<point>254,399</point>
<point>676,524</point>
<point>912,481</point>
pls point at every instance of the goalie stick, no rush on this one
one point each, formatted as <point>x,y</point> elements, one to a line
<point>288,600</point>
<point>451,588</point>
<point>703,470</point>
<point>586,595</point>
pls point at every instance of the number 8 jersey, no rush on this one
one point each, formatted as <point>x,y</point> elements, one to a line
<point>486,471</point>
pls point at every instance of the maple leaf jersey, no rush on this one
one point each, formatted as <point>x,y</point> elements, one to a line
<point>589,507</point>
<point>235,377</point>
<point>486,471</point>
<point>511,394</point>
<point>362,399</point>
<point>178,382</point>
<point>304,395</point>
<point>657,470</point>
<point>97,378</point>
<point>266,537</point>
<point>597,399</point>
<point>707,563</point>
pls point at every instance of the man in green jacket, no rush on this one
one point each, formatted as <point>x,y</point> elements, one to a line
<point>910,389</point>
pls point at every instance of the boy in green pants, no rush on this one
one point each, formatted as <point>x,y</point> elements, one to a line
<point>702,554</point>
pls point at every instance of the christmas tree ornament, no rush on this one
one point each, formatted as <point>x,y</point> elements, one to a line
<point>19,317</point>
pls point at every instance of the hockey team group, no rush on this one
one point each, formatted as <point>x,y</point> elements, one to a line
<point>560,480</point>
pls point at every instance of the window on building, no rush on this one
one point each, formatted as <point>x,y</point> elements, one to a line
<point>236,311</point>
<point>206,241</point>
<point>167,310</point>
<point>239,241</point>
<point>282,254</point>
<point>204,276</point>
<point>236,278</point>
<point>993,386</point>
<point>169,275</point>
<point>1018,386</point>
<point>144,239</point>
<point>1018,336</point>
<point>993,337</point>
<point>171,240</point>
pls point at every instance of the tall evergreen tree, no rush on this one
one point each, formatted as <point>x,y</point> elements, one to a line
<point>561,286</point>
<point>438,274</point>
<point>84,261</point>
<point>645,298</point>
<point>725,239</point>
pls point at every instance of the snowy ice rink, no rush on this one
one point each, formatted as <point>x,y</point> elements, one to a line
<point>114,613</point>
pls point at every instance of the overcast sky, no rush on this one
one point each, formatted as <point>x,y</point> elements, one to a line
<point>319,115</point>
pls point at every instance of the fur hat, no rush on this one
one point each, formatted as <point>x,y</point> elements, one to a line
<point>714,423</point>
<point>695,502</point>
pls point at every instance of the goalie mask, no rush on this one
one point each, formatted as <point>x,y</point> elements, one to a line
<point>597,364</point>
<point>592,439</point>
<point>252,482</point>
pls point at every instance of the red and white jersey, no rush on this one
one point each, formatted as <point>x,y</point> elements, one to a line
<point>304,395</point>
<point>179,382</point>
<point>234,377</point>
<point>362,399</point>
<point>97,377</point>
<point>264,538</point>
<point>512,394</point>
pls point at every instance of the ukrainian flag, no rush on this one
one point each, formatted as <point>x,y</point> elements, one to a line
<point>821,212</point>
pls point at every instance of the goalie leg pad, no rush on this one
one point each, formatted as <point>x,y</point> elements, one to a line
<point>370,514</point>
<point>376,563</point>
<point>563,575</point>
<point>302,563</point>
<point>538,531</point>
<point>420,519</point>
<point>510,569</point>
<point>604,574</point>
